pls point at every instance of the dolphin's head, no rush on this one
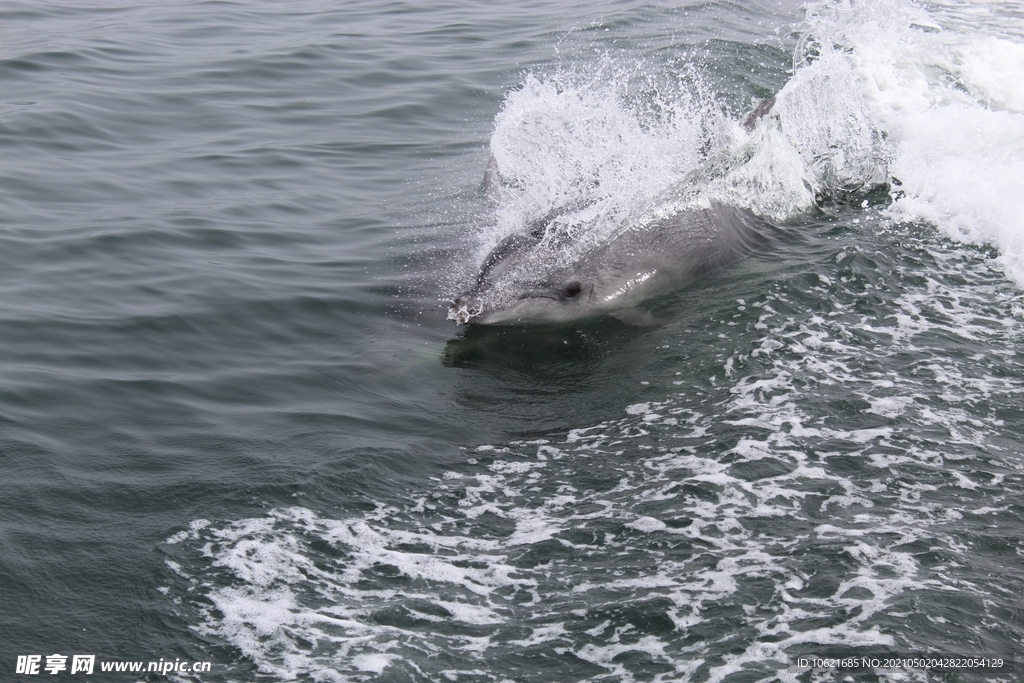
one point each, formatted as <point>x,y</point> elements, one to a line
<point>530,276</point>
<point>520,281</point>
<point>540,277</point>
<point>510,303</point>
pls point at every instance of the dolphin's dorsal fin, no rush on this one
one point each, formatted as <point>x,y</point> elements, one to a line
<point>635,317</point>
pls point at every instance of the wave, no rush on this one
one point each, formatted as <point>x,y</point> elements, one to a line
<point>882,96</point>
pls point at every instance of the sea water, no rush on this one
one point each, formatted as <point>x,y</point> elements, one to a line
<point>236,427</point>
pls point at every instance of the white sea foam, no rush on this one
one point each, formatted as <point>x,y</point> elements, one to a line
<point>948,102</point>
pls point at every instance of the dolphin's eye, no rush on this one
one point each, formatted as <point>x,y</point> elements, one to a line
<point>572,289</point>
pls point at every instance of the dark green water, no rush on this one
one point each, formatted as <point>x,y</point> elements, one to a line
<point>236,427</point>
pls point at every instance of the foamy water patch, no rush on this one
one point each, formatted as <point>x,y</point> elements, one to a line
<point>939,107</point>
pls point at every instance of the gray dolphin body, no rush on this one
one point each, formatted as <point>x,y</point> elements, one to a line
<point>514,286</point>
<point>523,281</point>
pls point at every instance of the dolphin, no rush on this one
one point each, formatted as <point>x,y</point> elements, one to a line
<point>525,278</point>
<point>516,284</point>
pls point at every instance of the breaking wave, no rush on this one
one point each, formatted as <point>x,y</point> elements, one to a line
<point>882,96</point>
